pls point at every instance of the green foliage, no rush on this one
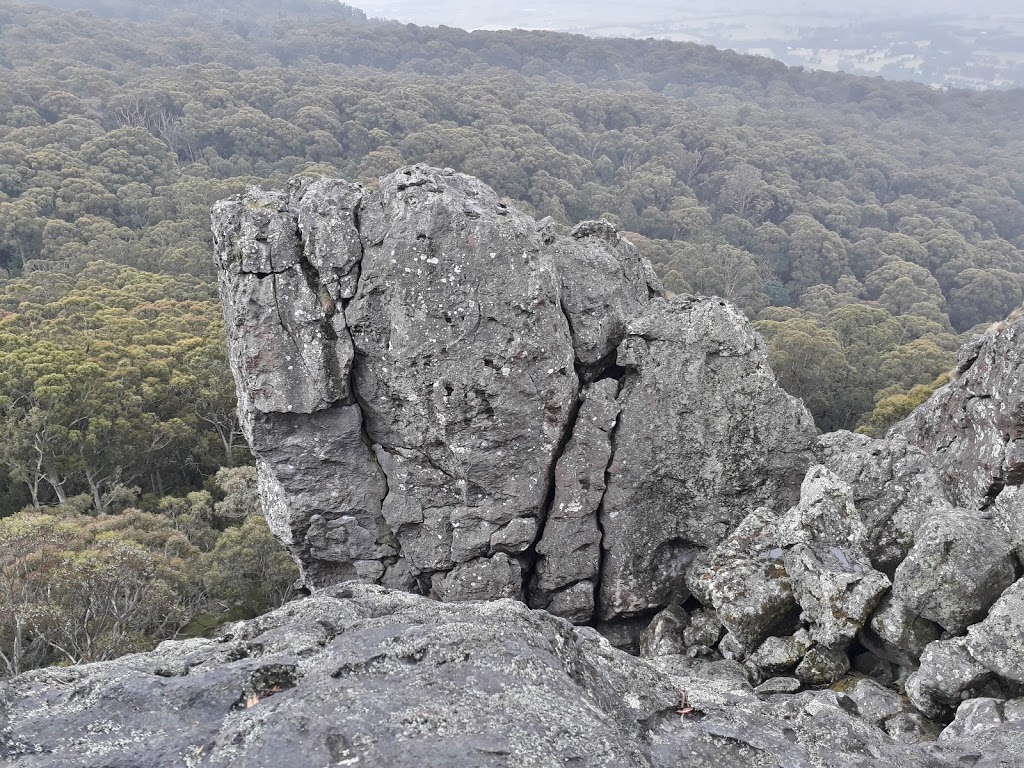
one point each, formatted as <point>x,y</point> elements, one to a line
<point>248,570</point>
<point>895,403</point>
<point>74,591</point>
<point>77,587</point>
<point>111,377</point>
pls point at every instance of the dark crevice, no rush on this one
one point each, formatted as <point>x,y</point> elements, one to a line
<point>605,368</point>
<point>692,604</point>
<point>612,434</point>
<point>994,490</point>
<point>613,371</point>
<point>360,403</point>
<point>530,555</point>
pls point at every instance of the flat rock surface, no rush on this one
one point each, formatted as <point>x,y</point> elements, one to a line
<point>359,675</point>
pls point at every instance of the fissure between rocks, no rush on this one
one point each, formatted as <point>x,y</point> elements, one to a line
<point>530,555</point>
<point>599,511</point>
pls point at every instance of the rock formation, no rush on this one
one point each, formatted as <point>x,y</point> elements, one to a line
<point>444,396</point>
<point>447,398</point>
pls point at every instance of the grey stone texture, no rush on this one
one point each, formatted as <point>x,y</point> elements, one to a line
<point>959,564</point>
<point>361,675</point>
<point>447,398</point>
<point>490,409</point>
<point>971,428</point>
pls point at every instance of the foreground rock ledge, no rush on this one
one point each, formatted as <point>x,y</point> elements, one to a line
<point>359,675</point>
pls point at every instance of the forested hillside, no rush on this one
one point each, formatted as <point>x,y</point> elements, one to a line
<point>867,226</point>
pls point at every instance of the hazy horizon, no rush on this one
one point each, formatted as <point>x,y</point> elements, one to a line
<point>472,15</point>
<point>943,43</point>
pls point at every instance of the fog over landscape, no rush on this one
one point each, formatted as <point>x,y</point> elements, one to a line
<point>947,43</point>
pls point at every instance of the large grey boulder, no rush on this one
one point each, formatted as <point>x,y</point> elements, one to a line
<point>464,373</point>
<point>895,489</point>
<point>446,397</point>
<point>948,671</point>
<point>451,350</point>
<point>971,428</point>
<point>959,564</point>
<point>705,436</point>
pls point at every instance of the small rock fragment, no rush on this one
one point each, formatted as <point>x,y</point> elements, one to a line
<point>875,702</point>
<point>823,666</point>
<point>947,672</point>
<point>779,685</point>
<point>974,716</point>
<point>780,654</point>
<point>911,728</point>
<point>664,635</point>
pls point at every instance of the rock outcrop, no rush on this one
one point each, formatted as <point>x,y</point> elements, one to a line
<point>972,428</point>
<point>444,396</point>
<point>447,398</point>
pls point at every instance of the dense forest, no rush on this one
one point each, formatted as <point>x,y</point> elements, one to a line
<point>867,227</point>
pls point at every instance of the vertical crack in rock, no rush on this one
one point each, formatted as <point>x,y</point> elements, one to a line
<point>321,489</point>
<point>569,546</point>
<point>530,556</point>
<point>620,387</point>
<point>603,282</point>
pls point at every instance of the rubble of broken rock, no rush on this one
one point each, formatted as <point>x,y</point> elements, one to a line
<point>534,462</point>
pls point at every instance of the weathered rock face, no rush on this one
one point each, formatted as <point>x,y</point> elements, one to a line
<point>895,488</point>
<point>973,428</point>
<point>490,410</point>
<point>705,434</point>
<point>451,351</point>
<point>448,398</point>
<point>359,675</point>
<point>959,564</point>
